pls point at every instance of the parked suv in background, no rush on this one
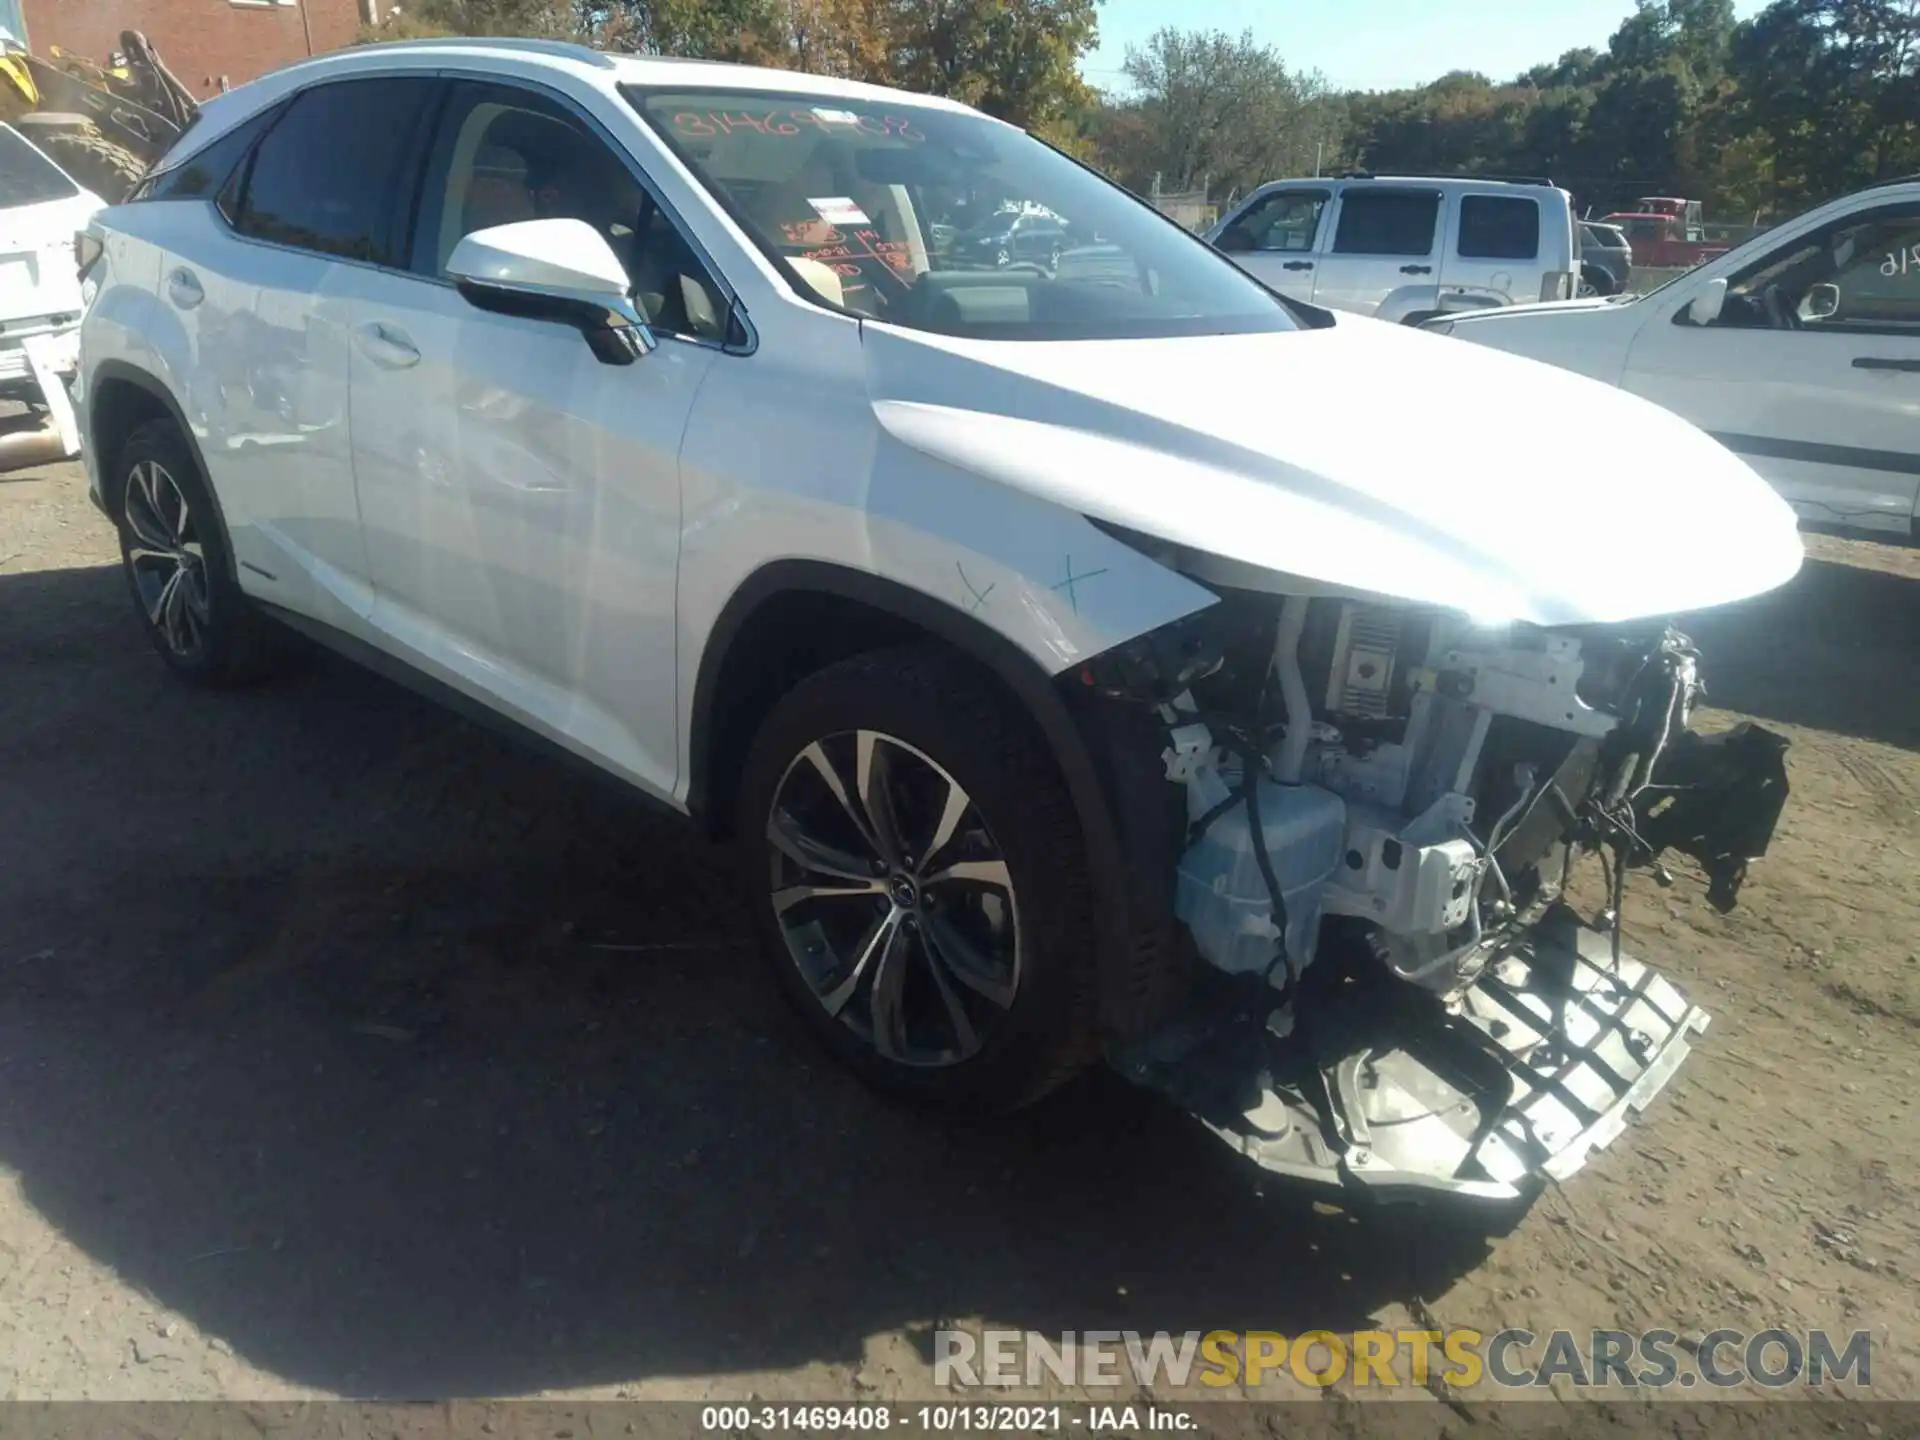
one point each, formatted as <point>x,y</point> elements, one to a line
<point>1405,248</point>
<point>1606,259</point>
<point>630,401</point>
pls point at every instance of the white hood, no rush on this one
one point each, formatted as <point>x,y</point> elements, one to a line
<point>1366,456</point>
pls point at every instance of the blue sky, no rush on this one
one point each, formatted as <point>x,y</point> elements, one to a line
<point>1377,44</point>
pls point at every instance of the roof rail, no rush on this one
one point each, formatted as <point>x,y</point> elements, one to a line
<point>1488,179</point>
<point>560,49</point>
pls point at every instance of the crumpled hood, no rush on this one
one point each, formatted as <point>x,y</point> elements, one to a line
<point>1365,456</point>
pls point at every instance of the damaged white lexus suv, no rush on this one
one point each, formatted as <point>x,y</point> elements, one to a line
<point>1090,654</point>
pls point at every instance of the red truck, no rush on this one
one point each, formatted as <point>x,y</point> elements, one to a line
<point>1665,232</point>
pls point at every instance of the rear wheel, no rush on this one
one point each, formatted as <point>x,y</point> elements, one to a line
<point>1594,283</point>
<point>179,569</point>
<point>919,879</point>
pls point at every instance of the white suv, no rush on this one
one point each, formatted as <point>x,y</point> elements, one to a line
<point>1059,640</point>
<point>1406,248</point>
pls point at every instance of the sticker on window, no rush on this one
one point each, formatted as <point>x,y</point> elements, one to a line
<point>835,117</point>
<point>838,210</point>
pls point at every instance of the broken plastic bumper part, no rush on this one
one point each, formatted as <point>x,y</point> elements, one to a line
<point>1532,1070</point>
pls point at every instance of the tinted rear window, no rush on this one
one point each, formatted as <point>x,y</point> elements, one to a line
<point>201,175</point>
<point>1499,227</point>
<point>26,176</point>
<point>1386,222</point>
<point>327,177</point>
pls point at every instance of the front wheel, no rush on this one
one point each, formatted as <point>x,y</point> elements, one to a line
<point>918,876</point>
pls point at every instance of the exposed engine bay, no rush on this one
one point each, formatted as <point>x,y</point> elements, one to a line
<point>1382,808</point>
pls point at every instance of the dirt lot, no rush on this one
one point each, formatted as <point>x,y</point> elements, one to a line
<point>344,1049</point>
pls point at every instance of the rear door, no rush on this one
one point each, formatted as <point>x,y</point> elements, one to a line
<point>258,284</point>
<point>1385,248</point>
<point>1822,404</point>
<point>1276,237</point>
<point>1494,249</point>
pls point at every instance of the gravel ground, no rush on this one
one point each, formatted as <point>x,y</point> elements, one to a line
<point>346,1050</point>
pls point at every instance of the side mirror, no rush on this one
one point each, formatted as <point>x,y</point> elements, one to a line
<point>1822,302</point>
<point>558,270</point>
<point>1705,307</point>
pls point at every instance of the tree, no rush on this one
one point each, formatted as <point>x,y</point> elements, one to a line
<point>1833,87</point>
<point>554,19</point>
<point>1215,112</point>
<point>1016,59</point>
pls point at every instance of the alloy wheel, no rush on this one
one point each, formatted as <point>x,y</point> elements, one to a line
<point>166,559</point>
<point>893,899</point>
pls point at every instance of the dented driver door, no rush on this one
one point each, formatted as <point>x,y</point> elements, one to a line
<point>521,496</point>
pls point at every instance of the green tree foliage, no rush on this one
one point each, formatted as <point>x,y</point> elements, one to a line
<point>1215,112</point>
<point>1808,99</point>
<point>1017,59</point>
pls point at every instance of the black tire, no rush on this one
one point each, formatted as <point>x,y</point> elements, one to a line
<point>108,170</point>
<point>948,713</point>
<point>231,642</point>
<point>1595,282</point>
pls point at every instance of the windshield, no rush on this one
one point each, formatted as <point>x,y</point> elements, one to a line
<point>26,176</point>
<point>950,222</point>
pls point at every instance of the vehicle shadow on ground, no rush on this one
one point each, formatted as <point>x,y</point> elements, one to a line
<point>1795,655</point>
<point>410,1064</point>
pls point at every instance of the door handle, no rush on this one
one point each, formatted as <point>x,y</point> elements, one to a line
<point>1416,269</point>
<point>184,290</point>
<point>386,346</point>
<point>1298,265</point>
<point>1878,362</point>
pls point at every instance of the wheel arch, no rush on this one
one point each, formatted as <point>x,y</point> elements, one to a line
<point>740,677</point>
<point>120,399</point>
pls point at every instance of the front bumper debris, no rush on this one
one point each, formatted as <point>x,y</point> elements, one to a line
<point>1520,1080</point>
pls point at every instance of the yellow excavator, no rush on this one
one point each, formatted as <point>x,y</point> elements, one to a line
<point>103,125</point>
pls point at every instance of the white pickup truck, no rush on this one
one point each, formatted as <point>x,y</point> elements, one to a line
<point>1800,350</point>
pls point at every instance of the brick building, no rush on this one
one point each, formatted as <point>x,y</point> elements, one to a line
<point>210,45</point>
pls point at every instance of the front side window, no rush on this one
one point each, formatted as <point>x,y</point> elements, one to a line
<point>1862,272</point>
<point>503,154</point>
<point>26,176</point>
<point>327,177</point>
<point>948,221</point>
<point>1286,220</point>
<point>1386,222</point>
<point>1499,227</point>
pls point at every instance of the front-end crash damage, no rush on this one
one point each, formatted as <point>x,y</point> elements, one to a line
<point>1376,810</point>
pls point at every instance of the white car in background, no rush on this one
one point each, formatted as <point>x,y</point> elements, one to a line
<point>42,209</point>
<point>1405,248</point>
<point>1800,351</point>
<point>628,401</point>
